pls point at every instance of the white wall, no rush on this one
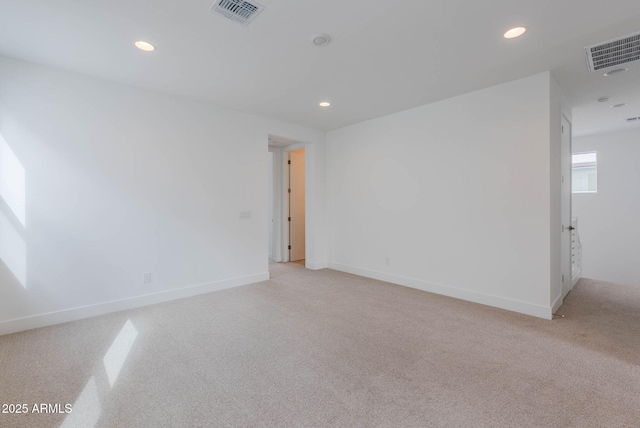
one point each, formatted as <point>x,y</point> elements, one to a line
<point>608,220</point>
<point>119,181</point>
<point>456,194</point>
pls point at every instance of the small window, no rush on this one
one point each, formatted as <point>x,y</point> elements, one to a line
<point>584,177</point>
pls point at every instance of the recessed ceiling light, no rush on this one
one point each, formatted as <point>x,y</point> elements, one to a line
<point>514,32</point>
<point>603,99</point>
<point>618,105</point>
<point>145,46</point>
<point>615,71</point>
<point>324,104</point>
<point>320,39</point>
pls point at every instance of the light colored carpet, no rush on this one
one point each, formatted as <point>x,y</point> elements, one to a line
<point>325,348</point>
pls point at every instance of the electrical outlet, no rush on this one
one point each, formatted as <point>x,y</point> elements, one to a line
<point>387,261</point>
<point>245,215</point>
<point>147,277</point>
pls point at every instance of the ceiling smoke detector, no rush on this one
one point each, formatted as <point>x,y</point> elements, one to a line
<point>320,39</point>
<point>240,11</point>
<point>613,52</point>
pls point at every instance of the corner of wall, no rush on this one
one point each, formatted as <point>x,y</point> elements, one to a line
<point>428,142</point>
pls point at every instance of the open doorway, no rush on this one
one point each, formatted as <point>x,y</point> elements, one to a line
<point>287,201</point>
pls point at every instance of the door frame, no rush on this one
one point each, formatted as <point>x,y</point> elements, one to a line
<point>284,217</point>
<point>281,200</point>
<point>276,236</point>
<point>566,271</point>
<point>287,214</point>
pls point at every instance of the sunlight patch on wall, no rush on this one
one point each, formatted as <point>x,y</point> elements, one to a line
<point>13,250</point>
<point>86,410</point>
<point>117,354</point>
<point>12,181</point>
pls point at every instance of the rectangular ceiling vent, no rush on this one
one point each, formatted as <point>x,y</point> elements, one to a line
<point>614,52</point>
<point>633,119</point>
<point>239,10</point>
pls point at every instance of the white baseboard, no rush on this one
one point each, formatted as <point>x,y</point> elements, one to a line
<point>556,303</point>
<point>73,314</point>
<point>575,278</point>
<point>445,290</point>
<point>316,265</point>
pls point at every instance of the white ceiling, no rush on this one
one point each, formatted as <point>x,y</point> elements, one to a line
<point>385,56</point>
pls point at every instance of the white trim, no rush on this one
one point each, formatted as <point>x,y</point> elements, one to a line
<point>284,203</point>
<point>73,314</point>
<point>277,237</point>
<point>556,304</point>
<point>445,290</point>
<point>565,268</point>
<point>294,147</point>
<point>281,240</point>
<point>575,278</point>
<point>582,153</point>
<point>316,265</point>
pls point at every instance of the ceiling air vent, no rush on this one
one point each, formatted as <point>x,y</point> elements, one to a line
<point>239,10</point>
<point>614,52</point>
<point>633,119</point>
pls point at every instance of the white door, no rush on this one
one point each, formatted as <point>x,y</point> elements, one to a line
<point>565,210</point>
<point>296,205</point>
